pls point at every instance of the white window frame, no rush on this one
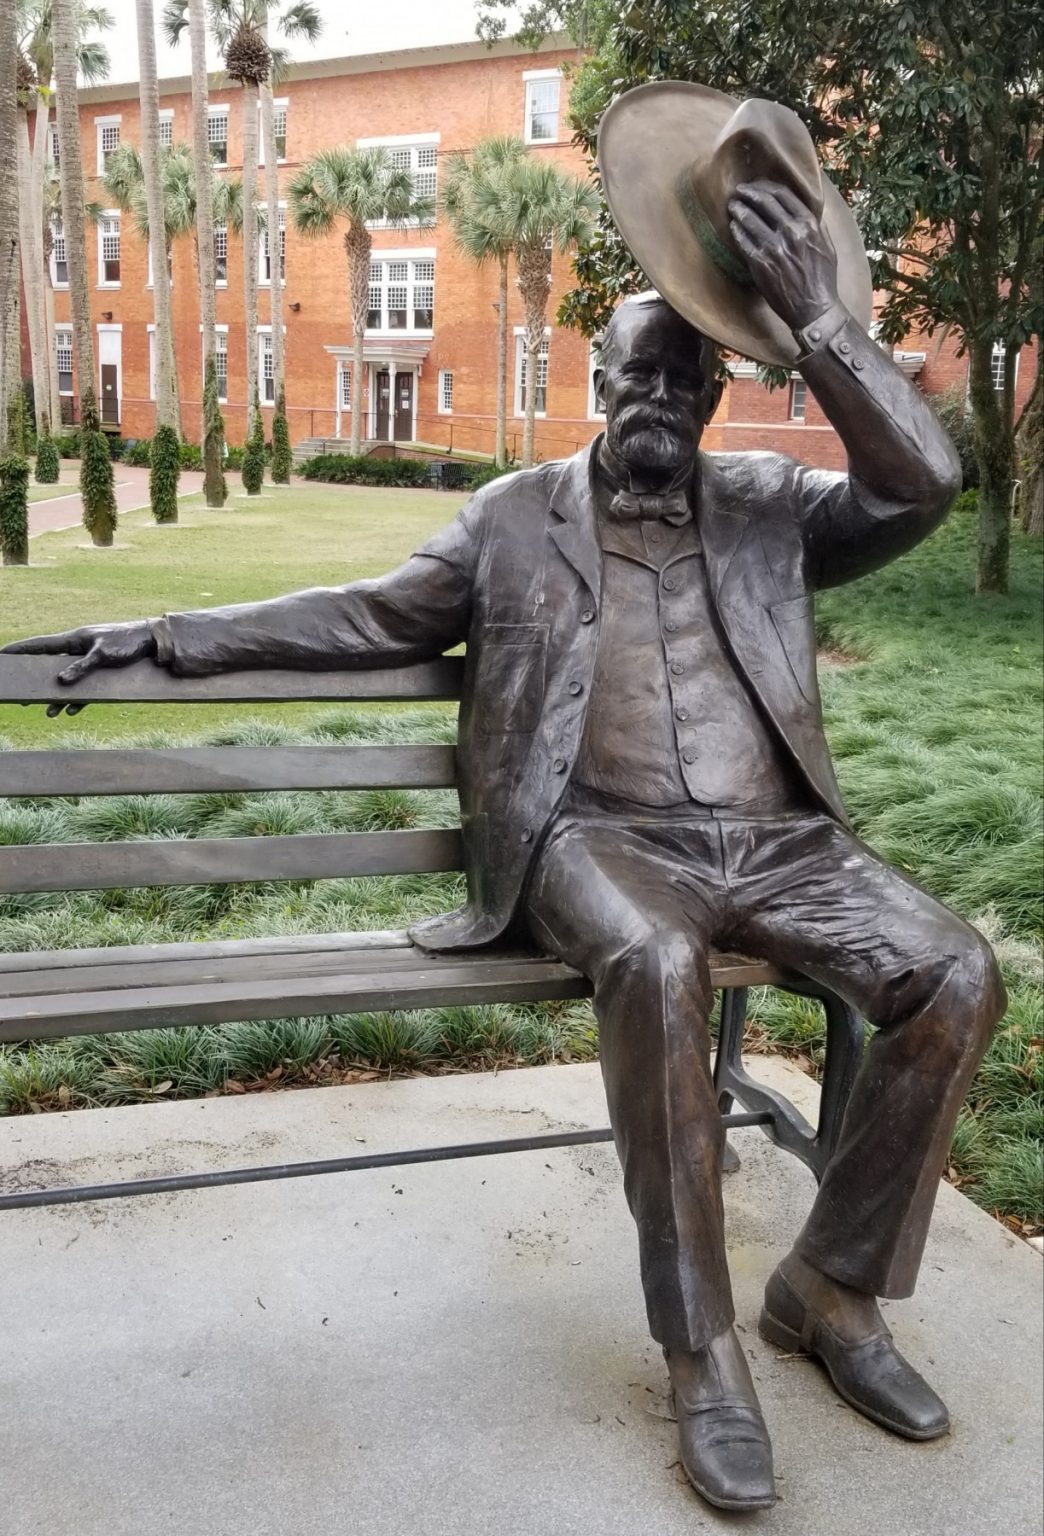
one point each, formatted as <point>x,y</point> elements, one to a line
<point>445,404</point>
<point>797,399</point>
<point>67,332</point>
<point>594,411</point>
<point>520,355</point>
<point>100,124</point>
<point>151,328</point>
<point>220,350</point>
<point>264,281</point>
<point>58,233</point>
<point>166,118</point>
<point>997,356</point>
<point>411,258</point>
<point>215,112</point>
<point>148,263</point>
<point>415,143</point>
<point>106,215</point>
<point>264,349</point>
<point>221,282</point>
<point>279,104</point>
<point>536,78</point>
<point>53,144</point>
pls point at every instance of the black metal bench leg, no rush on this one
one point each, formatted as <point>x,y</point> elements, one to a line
<point>846,1037</point>
<point>728,1057</point>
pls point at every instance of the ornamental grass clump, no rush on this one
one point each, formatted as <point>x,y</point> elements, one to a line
<point>164,469</point>
<point>48,465</point>
<point>14,510</point>
<point>254,457</point>
<point>282,459</point>
<point>96,484</point>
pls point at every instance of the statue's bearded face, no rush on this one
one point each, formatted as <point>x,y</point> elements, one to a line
<point>659,388</point>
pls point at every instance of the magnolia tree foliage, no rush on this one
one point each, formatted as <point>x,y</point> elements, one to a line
<point>929,119</point>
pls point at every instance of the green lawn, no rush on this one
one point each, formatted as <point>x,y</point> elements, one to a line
<point>66,486</point>
<point>935,721</point>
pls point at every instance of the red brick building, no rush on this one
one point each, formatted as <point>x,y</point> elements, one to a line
<point>431,347</point>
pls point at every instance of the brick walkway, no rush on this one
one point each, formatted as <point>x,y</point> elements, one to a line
<point>132,492</point>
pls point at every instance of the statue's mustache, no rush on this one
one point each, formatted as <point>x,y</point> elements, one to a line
<point>641,418</point>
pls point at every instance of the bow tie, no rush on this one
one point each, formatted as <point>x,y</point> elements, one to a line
<point>672,508</point>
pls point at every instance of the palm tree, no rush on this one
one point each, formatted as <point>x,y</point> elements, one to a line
<point>537,209</point>
<point>36,173</point>
<point>152,179</point>
<point>215,490</point>
<point>10,340</point>
<point>96,485</point>
<point>483,239</point>
<point>361,186</point>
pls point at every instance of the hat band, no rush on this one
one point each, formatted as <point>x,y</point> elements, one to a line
<point>705,233</point>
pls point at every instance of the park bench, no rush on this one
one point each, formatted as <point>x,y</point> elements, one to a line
<point>447,475</point>
<point>48,995</point>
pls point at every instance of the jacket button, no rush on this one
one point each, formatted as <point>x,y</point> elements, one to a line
<point>681,714</point>
<point>587,617</point>
<point>814,335</point>
<point>689,757</point>
<point>677,668</point>
<point>669,583</point>
<point>670,626</point>
<point>527,834</point>
<point>560,765</point>
<point>845,346</point>
<point>857,363</point>
<point>576,689</point>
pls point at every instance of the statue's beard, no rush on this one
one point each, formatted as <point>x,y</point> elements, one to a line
<point>645,439</point>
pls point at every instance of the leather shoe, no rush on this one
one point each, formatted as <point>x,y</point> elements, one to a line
<point>725,1447</point>
<point>806,1312</point>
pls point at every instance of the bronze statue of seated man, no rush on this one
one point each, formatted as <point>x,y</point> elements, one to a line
<point>644,775</point>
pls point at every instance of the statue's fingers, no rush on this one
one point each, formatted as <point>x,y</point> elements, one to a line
<point>763,193</point>
<point>757,230</point>
<point>71,643</point>
<point>81,667</point>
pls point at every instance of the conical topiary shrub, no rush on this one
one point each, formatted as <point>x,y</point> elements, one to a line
<point>14,510</point>
<point>48,464</point>
<point>164,469</point>
<point>215,488</point>
<point>282,458</point>
<point>97,491</point>
<point>254,457</point>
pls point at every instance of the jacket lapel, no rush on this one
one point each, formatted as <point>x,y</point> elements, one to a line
<point>573,526</point>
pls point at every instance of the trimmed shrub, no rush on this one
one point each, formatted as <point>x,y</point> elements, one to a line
<point>951,407</point>
<point>18,424</point>
<point>96,484</point>
<point>254,457</point>
<point>164,469</point>
<point>48,467</point>
<point>343,469</point>
<point>282,459</point>
<point>138,453</point>
<point>215,487</point>
<point>482,474</point>
<point>14,510</point>
<point>190,456</point>
<point>68,444</point>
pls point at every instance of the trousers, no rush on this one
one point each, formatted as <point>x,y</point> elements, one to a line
<point>636,901</point>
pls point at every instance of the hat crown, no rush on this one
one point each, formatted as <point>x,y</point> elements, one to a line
<point>761,141</point>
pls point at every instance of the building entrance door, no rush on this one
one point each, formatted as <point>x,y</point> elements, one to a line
<point>404,407</point>
<point>110,400</point>
<point>383,406</point>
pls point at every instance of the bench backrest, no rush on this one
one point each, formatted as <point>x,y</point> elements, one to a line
<point>118,770</point>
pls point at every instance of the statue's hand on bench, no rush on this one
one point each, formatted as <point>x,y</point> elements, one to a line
<point>94,646</point>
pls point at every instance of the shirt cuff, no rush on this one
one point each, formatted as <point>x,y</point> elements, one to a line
<point>822,330</point>
<point>161,633</point>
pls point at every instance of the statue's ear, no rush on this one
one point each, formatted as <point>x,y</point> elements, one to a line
<point>598,379</point>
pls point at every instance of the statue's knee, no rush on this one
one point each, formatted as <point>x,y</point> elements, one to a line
<point>653,956</point>
<point>972,998</point>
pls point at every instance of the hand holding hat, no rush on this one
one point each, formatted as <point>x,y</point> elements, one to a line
<point>725,208</point>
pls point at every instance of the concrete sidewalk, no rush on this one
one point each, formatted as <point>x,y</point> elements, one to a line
<point>456,1348</point>
<point>132,492</point>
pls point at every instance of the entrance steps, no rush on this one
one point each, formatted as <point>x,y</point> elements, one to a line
<point>311,447</point>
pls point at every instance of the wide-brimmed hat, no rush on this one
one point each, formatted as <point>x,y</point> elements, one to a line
<point>671,154</point>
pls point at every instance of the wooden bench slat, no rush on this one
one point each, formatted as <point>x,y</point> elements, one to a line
<point>224,770</point>
<point>433,983</point>
<point>31,680</point>
<point>225,860</point>
<point>188,949</point>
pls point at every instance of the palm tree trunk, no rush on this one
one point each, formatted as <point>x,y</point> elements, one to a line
<point>32,276</point>
<point>42,249</point>
<point>500,456</point>
<point>358,245</point>
<point>99,505</point>
<point>272,200</point>
<point>213,440</point>
<point>250,238</point>
<point>53,386</point>
<point>8,205</point>
<point>534,270</point>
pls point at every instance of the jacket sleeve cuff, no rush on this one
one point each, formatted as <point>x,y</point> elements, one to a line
<point>819,333</point>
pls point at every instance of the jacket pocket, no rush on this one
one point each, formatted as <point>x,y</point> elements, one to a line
<point>509,678</point>
<point>794,619</point>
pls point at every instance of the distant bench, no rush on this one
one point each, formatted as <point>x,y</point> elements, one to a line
<point>54,993</point>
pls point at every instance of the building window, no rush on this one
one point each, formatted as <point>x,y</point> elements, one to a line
<point>1000,352</point>
<point>279,110</point>
<point>521,381</point>
<point>166,128</point>
<point>344,381</point>
<point>108,131</point>
<point>152,362</point>
<point>59,259</point>
<point>56,156</point>
<point>402,294</point>
<point>170,264</point>
<point>265,368</point>
<point>63,349</point>
<point>446,391</point>
<point>798,399</point>
<point>264,259</point>
<point>543,89</point>
<point>221,254</point>
<point>419,156</point>
<point>217,134</point>
<point>220,361</point>
<point>109,251</point>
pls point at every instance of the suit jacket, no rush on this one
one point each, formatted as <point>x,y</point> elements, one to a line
<point>518,576</point>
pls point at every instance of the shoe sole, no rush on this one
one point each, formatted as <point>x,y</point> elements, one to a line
<point>775,1332</point>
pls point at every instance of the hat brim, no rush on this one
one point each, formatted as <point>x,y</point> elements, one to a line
<point>647,140</point>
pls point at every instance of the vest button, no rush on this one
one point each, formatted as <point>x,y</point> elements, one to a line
<point>681,714</point>
<point>560,765</point>
<point>689,757</point>
<point>527,834</point>
<point>587,617</point>
<point>669,583</point>
<point>670,626</point>
<point>576,689</point>
<point>677,668</point>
